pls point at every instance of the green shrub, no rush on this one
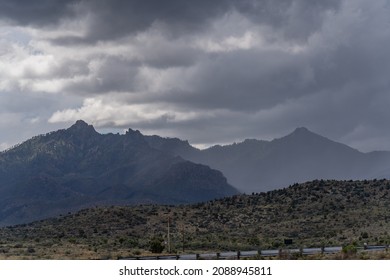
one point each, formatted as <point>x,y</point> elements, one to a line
<point>349,251</point>
<point>156,245</point>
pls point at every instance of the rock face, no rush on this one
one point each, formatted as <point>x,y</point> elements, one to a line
<point>77,167</point>
<point>257,166</point>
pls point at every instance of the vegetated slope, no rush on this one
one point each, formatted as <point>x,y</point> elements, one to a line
<point>78,167</point>
<point>329,213</point>
<point>255,165</point>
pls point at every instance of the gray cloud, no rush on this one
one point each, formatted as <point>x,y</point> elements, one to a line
<point>113,19</point>
<point>108,20</point>
<point>23,116</point>
<point>39,13</point>
<point>208,71</point>
<point>113,74</point>
<point>294,19</point>
<point>246,81</point>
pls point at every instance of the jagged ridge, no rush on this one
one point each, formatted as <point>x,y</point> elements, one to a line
<point>78,167</point>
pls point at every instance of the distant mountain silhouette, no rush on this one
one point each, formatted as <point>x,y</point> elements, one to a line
<point>78,167</point>
<point>256,166</point>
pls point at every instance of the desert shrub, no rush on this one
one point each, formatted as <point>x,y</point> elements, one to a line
<point>137,252</point>
<point>156,245</point>
<point>18,245</point>
<point>349,251</point>
<point>30,250</point>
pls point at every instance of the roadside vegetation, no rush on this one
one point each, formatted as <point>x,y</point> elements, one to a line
<point>313,214</point>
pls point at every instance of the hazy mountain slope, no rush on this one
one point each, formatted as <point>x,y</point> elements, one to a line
<point>78,167</point>
<point>255,166</point>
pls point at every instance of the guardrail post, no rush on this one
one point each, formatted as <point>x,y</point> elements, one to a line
<point>238,255</point>
<point>197,256</point>
<point>218,256</point>
<point>322,250</point>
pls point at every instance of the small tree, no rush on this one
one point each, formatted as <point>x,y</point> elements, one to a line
<point>156,245</point>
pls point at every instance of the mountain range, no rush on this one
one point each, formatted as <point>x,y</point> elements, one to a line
<point>258,166</point>
<point>77,168</point>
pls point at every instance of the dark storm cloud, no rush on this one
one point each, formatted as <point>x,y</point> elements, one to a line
<point>320,64</point>
<point>246,81</point>
<point>112,19</point>
<point>39,13</point>
<point>294,19</point>
<point>138,15</point>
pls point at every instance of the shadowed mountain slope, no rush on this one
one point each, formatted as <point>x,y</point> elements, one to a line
<point>78,167</point>
<point>255,165</point>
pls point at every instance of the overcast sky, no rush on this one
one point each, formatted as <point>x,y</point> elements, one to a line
<point>208,71</point>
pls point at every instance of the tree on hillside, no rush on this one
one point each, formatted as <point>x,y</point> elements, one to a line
<point>156,244</point>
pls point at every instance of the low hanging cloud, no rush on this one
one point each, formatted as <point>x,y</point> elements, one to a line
<point>229,69</point>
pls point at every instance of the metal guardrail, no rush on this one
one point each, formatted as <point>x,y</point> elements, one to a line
<point>254,253</point>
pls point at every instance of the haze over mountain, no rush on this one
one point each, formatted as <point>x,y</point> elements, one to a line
<point>256,165</point>
<point>78,167</point>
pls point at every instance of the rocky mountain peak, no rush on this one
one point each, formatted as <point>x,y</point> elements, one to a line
<point>302,134</point>
<point>301,130</point>
<point>82,129</point>
<point>81,125</point>
<point>71,168</point>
